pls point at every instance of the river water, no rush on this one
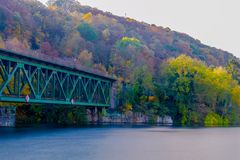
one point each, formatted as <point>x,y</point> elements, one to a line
<point>120,143</point>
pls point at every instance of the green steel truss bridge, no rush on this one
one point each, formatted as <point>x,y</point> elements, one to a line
<point>24,79</point>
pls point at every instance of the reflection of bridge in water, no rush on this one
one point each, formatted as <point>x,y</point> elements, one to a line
<point>26,79</point>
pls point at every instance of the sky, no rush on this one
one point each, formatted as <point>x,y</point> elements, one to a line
<point>213,22</point>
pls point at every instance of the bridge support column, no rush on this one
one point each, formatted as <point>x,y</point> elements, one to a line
<point>7,116</point>
<point>99,110</point>
<point>94,114</point>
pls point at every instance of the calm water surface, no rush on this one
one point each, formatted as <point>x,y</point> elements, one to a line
<point>120,143</point>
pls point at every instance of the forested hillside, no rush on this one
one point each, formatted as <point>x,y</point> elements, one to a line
<point>129,50</point>
<point>65,28</point>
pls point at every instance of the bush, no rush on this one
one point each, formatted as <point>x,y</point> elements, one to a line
<point>213,119</point>
<point>63,115</point>
<point>152,119</point>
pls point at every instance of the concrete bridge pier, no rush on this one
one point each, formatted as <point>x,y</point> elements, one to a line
<point>94,114</point>
<point>7,116</point>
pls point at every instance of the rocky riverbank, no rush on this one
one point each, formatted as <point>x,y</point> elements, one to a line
<point>11,116</point>
<point>129,117</point>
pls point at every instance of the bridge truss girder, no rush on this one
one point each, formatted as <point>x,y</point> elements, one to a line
<point>20,78</point>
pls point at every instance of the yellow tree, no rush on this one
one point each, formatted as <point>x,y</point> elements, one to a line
<point>87,17</point>
<point>85,58</point>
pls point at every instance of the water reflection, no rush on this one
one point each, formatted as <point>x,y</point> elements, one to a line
<point>120,143</point>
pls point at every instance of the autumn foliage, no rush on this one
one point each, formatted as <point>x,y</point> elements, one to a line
<point>200,83</point>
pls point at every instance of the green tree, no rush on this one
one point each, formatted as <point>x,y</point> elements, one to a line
<point>2,21</point>
<point>87,32</point>
<point>193,90</point>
